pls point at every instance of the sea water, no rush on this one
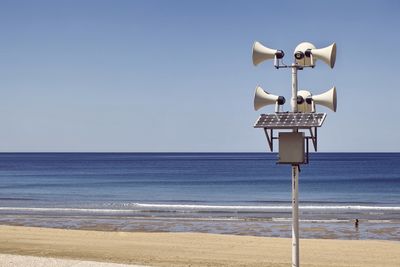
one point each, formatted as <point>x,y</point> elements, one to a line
<point>231,193</point>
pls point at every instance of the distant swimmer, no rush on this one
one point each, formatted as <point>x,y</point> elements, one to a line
<point>356,223</point>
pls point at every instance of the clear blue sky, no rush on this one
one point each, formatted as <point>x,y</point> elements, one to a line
<point>177,75</point>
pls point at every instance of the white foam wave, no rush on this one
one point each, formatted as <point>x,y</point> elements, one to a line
<point>66,210</point>
<point>312,220</point>
<point>261,208</point>
<point>137,207</point>
<point>379,221</point>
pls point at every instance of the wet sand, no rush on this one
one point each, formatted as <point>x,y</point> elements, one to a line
<point>342,229</point>
<point>192,249</point>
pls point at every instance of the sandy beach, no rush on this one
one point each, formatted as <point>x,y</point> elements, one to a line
<point>191,249</point>
<point>9,260</point>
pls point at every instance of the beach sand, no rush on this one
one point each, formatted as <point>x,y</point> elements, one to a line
<point>7,260</point>
<point>192,249</point>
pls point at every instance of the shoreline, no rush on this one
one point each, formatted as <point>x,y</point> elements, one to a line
<point>261,227</point>
<point>194,249</point>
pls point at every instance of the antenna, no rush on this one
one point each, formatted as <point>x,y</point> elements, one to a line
<point>302,119</point>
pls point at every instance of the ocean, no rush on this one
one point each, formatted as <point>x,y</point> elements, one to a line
<point>227,193</point>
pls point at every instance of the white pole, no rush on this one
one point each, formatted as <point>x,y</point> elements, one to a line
<point>294,88</point>
<point>295,216</point>
<point>295,184</point>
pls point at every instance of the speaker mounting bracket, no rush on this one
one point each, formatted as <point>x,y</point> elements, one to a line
<point>313,136</point>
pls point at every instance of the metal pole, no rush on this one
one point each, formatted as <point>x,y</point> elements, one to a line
<point>294,88</point>
<point>295,216</point>
<point>295,183</point>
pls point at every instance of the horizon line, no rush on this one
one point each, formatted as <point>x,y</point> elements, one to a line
<point>180,152</point>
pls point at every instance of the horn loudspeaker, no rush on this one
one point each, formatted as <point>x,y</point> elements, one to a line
<point>262,53</point>
<point>327,99</point>
<point>262,98</point>
<point>327,54</point>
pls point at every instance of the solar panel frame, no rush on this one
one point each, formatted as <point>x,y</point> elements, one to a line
<point>289,120</point>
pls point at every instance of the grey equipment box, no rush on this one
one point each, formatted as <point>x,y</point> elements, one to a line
<point>291,148</point>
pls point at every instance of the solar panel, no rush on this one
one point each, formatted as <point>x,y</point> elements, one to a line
<point>286,120</point>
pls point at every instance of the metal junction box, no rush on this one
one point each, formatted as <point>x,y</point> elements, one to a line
<point>291,148</point>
